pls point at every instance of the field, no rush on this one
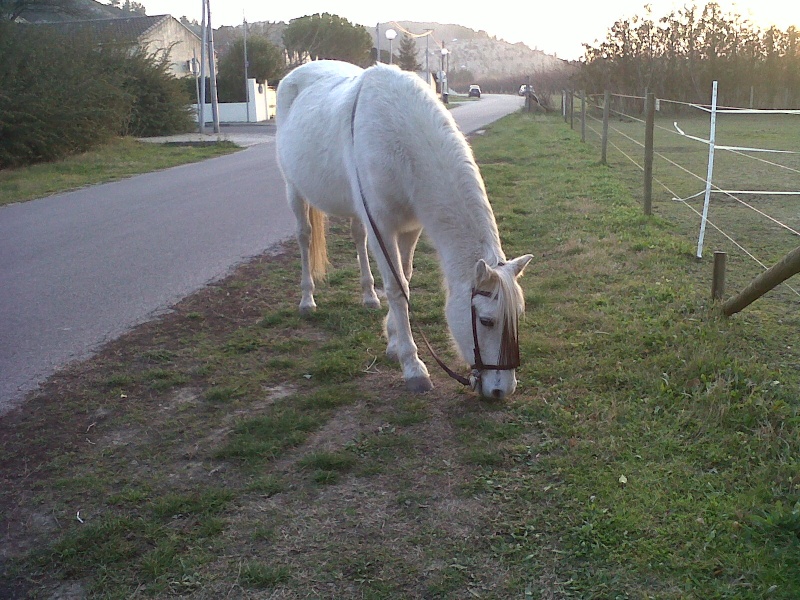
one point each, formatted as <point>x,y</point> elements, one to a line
<point>756,230</point>
<point>236,449</point>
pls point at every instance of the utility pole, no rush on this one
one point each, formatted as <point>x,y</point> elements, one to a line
<point>443,75</point>
<point>427,56</point>
<point>201,109</point>
<point>246,83</point>
<point>212,69</point>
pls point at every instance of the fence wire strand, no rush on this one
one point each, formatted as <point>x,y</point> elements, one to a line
<point>733,194</point>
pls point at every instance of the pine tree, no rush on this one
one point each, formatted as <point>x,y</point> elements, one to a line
<point>326,36</point>
<point>407,58</point>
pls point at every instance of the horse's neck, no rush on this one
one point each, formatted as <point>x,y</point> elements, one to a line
<point>464,230</point>
<point>464,245</point>
<point>441,180</point>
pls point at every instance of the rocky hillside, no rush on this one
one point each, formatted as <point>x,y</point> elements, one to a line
<point>475,56</point>
<point>471,52</point>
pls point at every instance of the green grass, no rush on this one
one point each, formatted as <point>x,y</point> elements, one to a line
<point>258,575</point>
<point>651,449</point>
<point>270,435</point>
<point>327,466</point>
<point>637,376</point>
<point>161,545</point>
<point>119,159</point>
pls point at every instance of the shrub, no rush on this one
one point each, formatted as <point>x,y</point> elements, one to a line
<point>62,96</point>
<point>55,97</point>
<point>159,103</point>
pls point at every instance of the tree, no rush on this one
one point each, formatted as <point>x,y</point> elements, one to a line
<point>678,57</point>
<point>133,8</point>
<point>10,10</point>
<point>407,58</point>
<point>265,63</point>
<point>327,36</point>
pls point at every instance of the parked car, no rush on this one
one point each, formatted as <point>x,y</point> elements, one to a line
<point>474,91</point>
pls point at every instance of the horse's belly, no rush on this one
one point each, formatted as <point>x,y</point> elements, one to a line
<point>331,194</point>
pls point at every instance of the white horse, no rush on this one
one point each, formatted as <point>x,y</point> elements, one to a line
<point>377,146</point>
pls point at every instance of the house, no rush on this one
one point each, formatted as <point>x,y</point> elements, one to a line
<point>153,35</point>
<point>160,33</point>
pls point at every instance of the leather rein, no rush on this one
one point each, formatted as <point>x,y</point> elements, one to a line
<point>509,340</point>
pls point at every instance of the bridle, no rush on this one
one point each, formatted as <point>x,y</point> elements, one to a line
<point>509,345</point>
<point>508,358</point>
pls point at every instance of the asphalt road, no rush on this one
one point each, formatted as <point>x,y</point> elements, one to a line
<point>81,268</point>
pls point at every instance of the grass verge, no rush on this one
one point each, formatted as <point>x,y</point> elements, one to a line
<point>123,157</point>
<point>233,447</point>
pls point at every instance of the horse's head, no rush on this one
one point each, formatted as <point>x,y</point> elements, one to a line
<point>487,332</point>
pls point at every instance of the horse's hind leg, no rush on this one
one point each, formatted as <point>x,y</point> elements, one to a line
<point>359,233</point>
<point>301,213</point>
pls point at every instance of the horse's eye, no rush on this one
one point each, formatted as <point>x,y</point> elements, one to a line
<point>486,322</point>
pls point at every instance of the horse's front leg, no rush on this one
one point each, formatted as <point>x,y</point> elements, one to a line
<point>359,233</point>
<point>403,347</point>
<point>401,341</point>
<point>406,243</point>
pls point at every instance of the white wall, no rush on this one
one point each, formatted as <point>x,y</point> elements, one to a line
<point>261,107</point>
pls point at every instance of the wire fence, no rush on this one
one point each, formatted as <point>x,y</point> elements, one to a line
<point>727,174</point>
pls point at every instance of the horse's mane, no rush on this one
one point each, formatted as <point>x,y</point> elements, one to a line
<point>512,304</point>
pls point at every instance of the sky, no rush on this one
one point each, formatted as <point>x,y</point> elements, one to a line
<point>552,27</point>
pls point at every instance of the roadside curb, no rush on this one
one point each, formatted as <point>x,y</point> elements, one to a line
<point>241,134</point>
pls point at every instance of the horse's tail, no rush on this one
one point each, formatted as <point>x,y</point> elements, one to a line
<point>318,245</point>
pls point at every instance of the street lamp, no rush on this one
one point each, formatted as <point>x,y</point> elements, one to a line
<point>443,78</point>
<point>390,35</point>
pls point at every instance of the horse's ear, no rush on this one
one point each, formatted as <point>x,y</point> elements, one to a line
<point>483,273</point>
<point>518,264</point>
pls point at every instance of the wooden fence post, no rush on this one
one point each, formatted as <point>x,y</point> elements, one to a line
<point>606,111</point>
<point>648,153</point>
<point>572,109</point>
<point>718,281</point>
<point>528,95</point>
<point>564,104</point>
<point>778,273</point>
<point>583,115</point>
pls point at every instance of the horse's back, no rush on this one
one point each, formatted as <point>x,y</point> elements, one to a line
<point>317,73</point>
<point>313,122</point>
<point>333,116</point>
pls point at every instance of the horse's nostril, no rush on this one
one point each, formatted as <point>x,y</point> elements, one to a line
<point>497,393</point>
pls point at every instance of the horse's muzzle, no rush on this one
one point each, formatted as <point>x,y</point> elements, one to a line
<point>492,388</point>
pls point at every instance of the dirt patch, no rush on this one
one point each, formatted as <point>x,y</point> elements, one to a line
<point>375,526</point>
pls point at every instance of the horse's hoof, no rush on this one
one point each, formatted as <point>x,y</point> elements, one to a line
<point>372,302</point>
<point>419,385</point>
<point>308,310</point>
